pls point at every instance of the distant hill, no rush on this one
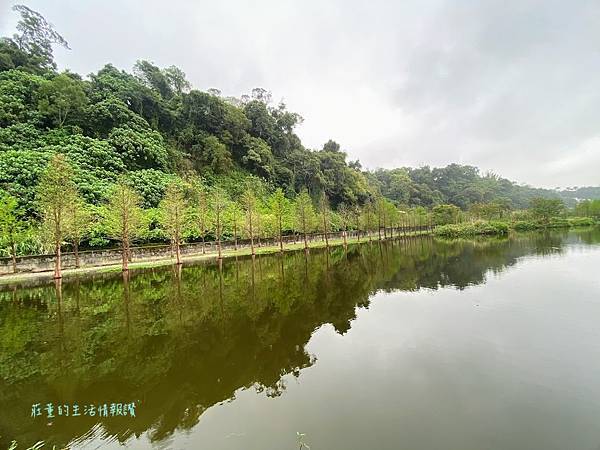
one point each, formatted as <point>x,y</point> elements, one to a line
<point>580,193</point>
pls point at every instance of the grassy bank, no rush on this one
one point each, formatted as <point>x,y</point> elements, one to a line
<point>500,228</point>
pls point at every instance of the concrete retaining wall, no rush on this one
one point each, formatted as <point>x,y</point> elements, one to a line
<point>90,258</point>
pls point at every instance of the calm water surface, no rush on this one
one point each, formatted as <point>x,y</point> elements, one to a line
<point>414,344</point>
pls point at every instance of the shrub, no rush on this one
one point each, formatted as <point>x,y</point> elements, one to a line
<point>558,222</point>
<point>472,229</point>
<point>581,221</point>
<point>525,225</point>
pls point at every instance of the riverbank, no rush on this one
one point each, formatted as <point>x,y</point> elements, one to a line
<point>500,228</point>
<point>464,230</point>
<point>212,256</point>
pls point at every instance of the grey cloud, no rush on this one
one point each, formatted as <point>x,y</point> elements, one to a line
<point>510,86</point>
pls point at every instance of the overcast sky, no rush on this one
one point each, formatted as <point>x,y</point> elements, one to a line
<point>509,86</point>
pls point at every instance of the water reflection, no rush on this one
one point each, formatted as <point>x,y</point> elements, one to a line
<point>182,339</point>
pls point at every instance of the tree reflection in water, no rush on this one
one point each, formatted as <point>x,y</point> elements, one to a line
<point>182,339</point>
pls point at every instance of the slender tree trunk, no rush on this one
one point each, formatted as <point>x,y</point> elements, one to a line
<point>177,248</point>
<point>252,241</point>
<point>57,260</point>
<point>235,239</point>
<point>76,252</point>
<point>219,237</point>
<point>203,244</point>
<point>178,253</point>
<point>305,241</point>
<point>14,256</point>
<point>125,254</point>
<point>325,234</point>
<point>344,234</point>
<point>280,235</point>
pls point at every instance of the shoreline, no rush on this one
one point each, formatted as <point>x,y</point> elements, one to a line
<point>47,275</point>
<point>146,263</point>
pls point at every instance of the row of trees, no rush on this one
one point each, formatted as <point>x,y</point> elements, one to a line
<point>190,211</point>
<point>588,208</point>
<point>539,209</point>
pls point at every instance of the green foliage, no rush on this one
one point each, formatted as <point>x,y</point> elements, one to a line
<point>445,214</point>
<point>200,208</point>
<point>305,213</point>
<point>56,196</point>
<point>455,184</point>
<point>581,221</point>
<point>95,162</point>
<point>13,231</point>
<point>214,155</point>
<point>13,57</point>
<point>36,36</point>
<point>258,157</point>
<point>495,227</point>
<point>18,95</point>
<point>281,208</point>
<point>19,135</point>
<point>20,172</point>
<point>175,215</point>
<point>150,184</point>
<point>109,113</point>
<point>588,208</point>
<point>524,225</point>
<point>556,222</point>
<point>544,209</point>
<point>60,98</point>
<point>80,221</point>
<point>124,218</point>
<point>496,209</point>
<point>139,148</point>
<point>472,229</point>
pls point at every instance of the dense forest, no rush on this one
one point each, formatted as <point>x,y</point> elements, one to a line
<point>150,128</point>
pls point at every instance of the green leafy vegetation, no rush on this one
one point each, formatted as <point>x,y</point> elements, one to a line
<point>472,229</point>
<point>495,227</point>
<point>92,162</point>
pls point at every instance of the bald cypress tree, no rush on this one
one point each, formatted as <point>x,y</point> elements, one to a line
<point>56,193</point>
<point>250,208</point>
<point>304,215</point>
<point>174,216</point>
<point>219,203</point>
<point>124,218</point>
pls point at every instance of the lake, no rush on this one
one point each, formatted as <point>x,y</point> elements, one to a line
<point>409,344</point>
